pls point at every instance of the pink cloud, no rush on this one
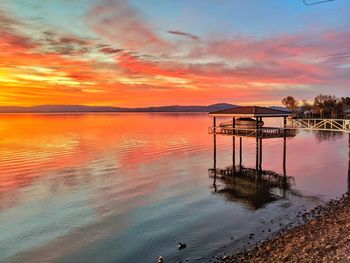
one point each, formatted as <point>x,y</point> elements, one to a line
<point>284,61</point>
<point>122,25</point>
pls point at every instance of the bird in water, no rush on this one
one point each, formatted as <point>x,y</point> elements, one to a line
<point>182,246</point>
<point>160,259</point>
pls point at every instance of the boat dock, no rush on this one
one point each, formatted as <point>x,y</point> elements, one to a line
<point>247,122</point>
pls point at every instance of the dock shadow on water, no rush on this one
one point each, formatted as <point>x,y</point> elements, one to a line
<point>113,188</point>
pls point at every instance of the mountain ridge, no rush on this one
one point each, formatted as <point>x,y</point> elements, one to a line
<point>83,108</point>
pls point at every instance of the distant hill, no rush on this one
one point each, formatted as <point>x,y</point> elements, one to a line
<point>280,108</point>
<point>81,108</point>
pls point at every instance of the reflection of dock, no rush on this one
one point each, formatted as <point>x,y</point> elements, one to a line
<point>244,187</point>
<point>268,177</point>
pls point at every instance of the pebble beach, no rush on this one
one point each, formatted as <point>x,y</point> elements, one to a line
<point>324,236</point>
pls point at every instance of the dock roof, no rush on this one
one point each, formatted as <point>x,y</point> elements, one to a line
<point>250,111</point>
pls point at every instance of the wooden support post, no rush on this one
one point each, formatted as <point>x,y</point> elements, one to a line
<point>233,155</point>
<point>233,147</point>
<point>284,156</point>
<point>214,165</point>
<point>257,157</point>
<point>214,134</point>
<point>240,153</point>
<point>260,156</point>
<point>257,147</point>
<point>233,126</point>
<point>284,125</point>
<point>214,124</point>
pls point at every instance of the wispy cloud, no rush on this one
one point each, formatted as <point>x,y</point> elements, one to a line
<point>109,50</point>
<point>179,33</point>
<point>65,44</point>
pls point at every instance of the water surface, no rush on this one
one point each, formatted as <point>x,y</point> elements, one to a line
<point>128,187</point>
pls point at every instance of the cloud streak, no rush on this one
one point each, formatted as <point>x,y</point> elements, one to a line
<point>179,33</point>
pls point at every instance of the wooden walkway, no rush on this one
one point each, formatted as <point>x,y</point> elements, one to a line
<point>340,125</point>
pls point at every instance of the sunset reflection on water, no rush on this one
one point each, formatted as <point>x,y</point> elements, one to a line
<point>118,186</point>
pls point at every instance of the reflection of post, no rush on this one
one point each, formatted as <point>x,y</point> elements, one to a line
<point>240,153</point>
<point>214,183</point>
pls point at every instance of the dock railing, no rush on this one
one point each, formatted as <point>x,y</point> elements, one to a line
<point>341,125</point>
<point>262,132</point>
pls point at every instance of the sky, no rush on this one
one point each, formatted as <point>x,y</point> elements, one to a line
<point>133,53</point>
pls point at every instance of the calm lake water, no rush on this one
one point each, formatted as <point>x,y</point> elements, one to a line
<point>129,187</point>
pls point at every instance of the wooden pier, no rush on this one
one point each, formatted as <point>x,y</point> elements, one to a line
<point>338,125</point>
<point>247,122</point>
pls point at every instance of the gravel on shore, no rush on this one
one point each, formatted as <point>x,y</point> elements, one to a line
<point>324,237</point>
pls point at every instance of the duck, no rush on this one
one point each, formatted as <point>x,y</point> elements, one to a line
<point>182,245</point>
<point>160,259</point>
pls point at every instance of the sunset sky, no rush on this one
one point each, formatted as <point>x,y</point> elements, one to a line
<point>188,52</point>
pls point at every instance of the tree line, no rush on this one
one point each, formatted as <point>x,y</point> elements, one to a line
<point>323,106</point>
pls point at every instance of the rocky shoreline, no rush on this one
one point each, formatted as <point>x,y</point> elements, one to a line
<point>323,236</point>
